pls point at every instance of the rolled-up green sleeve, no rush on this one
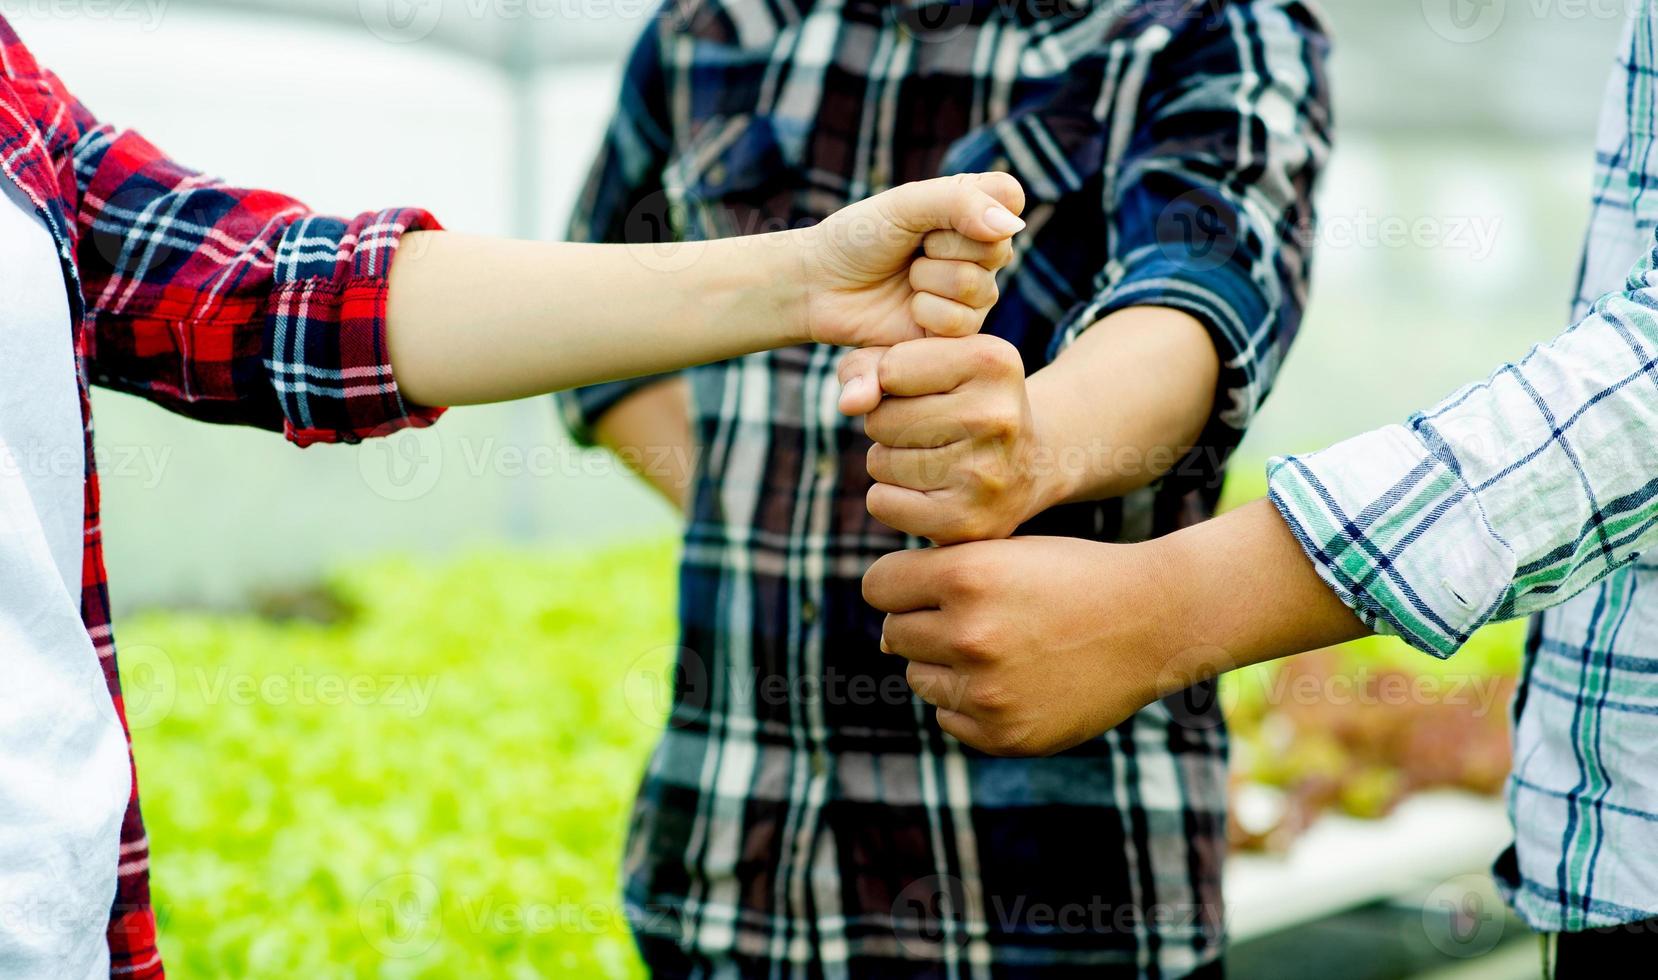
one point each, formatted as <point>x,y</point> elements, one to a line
<point>1507,498</point>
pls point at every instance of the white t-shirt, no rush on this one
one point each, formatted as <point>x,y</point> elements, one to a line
<point>64,772</point>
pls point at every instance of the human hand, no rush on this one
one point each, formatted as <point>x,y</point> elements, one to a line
<point>1032,645</point>
<point>864,284</point>
<point>958,455</point>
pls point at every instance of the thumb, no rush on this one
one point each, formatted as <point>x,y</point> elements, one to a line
<point>984,207</point>
<point>860,381</point>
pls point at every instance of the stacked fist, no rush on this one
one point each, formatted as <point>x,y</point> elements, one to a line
<point>960,458</point>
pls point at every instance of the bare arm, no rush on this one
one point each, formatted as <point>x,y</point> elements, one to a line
<point>1160,361</point>
<point>650,431</point>
<point>967,448</point>
<point>1032,645</point>
<point>473,320</point>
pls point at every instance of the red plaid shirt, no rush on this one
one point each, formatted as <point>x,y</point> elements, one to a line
<point>221,303</point>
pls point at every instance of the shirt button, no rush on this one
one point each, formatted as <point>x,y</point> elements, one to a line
<point>808,612</point>
<point>827,467</point>
<point>820,763</point>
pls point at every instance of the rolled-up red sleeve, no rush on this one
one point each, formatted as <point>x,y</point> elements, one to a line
<point>236,305</point>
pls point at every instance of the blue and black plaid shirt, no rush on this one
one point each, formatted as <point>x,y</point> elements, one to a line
<point>804,816</point>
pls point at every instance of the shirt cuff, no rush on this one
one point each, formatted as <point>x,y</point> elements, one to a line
<point>1229,304</point>
<point>1399,535</point>
<point>326,329</point>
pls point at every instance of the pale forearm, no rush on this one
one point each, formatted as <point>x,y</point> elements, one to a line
<point>473,320</point>
<point>1123,404</point>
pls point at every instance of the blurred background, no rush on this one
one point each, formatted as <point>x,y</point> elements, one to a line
<point>460,809</point>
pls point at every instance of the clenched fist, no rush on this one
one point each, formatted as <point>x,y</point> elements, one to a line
<point>958,454</point>
<point>1032,645</point>
<point>865,284</point>
<point>1027,646</point>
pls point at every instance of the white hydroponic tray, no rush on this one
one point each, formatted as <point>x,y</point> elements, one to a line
<point>1342,862</point>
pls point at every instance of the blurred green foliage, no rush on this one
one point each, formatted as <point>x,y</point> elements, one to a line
<point>435,781</point>
<point>435,785</point>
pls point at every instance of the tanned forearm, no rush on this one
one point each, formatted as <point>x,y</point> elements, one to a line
<point>1241,591</point>
<point>1123,404</point>
<point>1032,645</point>
<point>650,431</point>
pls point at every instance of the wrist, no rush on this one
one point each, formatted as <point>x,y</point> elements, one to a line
<point>1063,471</point>
<point>763,279</point>
<point>1181,643</point>
<point>790,270</point>
<point>1244,589</point>
<point>1142,596</point>
<point>1051,471</point>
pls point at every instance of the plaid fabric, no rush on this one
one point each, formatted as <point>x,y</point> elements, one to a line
<point>225,304</point>
<point>1532,491</point>
<point>803,815</point>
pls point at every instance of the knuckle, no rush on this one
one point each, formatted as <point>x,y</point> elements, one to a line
<point>1000,423</point>
<point>889,371</point>
<point>977,638</point>
<point>964,578</point>
<point>1009,741</point>
<point>991,482</point>
<point>994,356</point>
<point>874,582</point>
<point>991,698</point>
<point>973,645</point>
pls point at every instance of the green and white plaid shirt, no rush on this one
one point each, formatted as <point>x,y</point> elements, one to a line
<point>1536,491</point>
